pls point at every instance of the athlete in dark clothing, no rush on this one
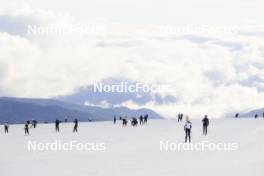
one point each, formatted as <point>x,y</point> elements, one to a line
<point>57,125</point>
<point>6,127</point>
<point>124,122</point>
<point>205,124</point>
<point>141,120</point>
<point>34,124</point>
<point>256,116</point>
<point>26,128</point>
<point>179,117</point>
<point>75,128</point>
<point>115,120</point>
<point>134,122</point>
<point>146,118</point>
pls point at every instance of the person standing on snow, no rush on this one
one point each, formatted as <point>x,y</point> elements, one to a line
<point>115,120</point>
<point>6,126</point>
<point>26,128</point>
<point>75,128</point>
<point>124,122</point>
<point>134,121</point>
<point>205,124</point>
<point>187,129</point>
<point>57,125</point>
<point>146,118</point>
<point>141,120</point>
<point>179,117</point>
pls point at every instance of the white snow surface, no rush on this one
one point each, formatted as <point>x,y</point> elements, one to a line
<point>135,151</point>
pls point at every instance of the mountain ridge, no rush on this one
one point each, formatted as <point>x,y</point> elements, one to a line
<point>18,110</point>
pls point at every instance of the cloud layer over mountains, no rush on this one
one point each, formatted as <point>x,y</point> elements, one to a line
<point>214,72</point>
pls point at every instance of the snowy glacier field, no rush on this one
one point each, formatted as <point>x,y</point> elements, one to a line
<point>135,151</point>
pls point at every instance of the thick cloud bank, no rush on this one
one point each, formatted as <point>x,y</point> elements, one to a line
<point>209,72</point>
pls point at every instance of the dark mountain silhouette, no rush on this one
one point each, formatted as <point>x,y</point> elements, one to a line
<point>18,110</point>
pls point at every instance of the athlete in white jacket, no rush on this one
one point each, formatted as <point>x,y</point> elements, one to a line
<point>187,129</point>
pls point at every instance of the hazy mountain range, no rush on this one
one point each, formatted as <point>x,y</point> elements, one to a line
<point>18,110</point>
<point>252,113</point>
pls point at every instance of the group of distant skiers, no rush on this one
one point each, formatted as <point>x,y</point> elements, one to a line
<point>134,120</point>
<point>75,126</point>
<point>255,116</point>
<point>26,127</point>
<point>188,127</point>
<point>34,125</point>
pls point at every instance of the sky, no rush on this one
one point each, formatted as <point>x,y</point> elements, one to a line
<point>210,52</point>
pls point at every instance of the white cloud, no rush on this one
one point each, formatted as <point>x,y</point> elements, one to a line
<point>102,104</point>
<point>208,77</point>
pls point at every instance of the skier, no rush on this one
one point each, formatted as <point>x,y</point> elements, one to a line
<point>256,116</point>
<point>205,124</point>
<point>141,120</point>
<point>75,128</point>
<point>134,122</point>
<point>26,128</point>
<point>187,129</point>
<point>6,126</point>
<point>115,120</point>
<point>179,117</point>
<point>57,125</point>
<point>237,115</point>
<point>146,118</point>
<point>34,124</point>
<point>124,122</point>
